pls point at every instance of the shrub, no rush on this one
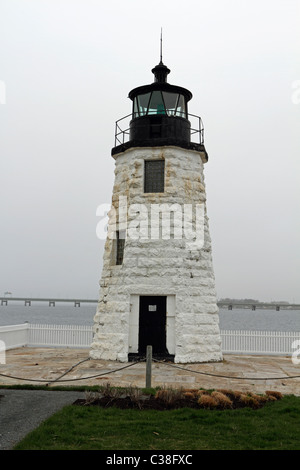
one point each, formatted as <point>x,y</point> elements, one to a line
<point>272,394</point>
<point>169,396</point>
<point>194,393</point>
<point>222,399</point>
<point>110,392</point>
<point>233,395</point>
<point>91,397</point>
<point>189,395</point>
<point>202,392</point>
<point>134,393</point>
<point>207,401</point>
<point>247,400</point>
<point>261,399</point>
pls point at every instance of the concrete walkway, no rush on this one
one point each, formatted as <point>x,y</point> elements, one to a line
<point>56,366</point>
<point>21,411</point>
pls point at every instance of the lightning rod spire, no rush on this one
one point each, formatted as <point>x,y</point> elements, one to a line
<point>161,71</point>
<point>161,40</point>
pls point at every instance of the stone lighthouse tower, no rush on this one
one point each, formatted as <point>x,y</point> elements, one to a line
<point>157,286</point>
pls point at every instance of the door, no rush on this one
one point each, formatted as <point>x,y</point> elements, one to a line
<point>152,324</point>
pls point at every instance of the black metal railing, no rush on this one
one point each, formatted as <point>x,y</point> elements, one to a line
<point>122,129</point>
<point>197,130</point>
<point>122,135</point>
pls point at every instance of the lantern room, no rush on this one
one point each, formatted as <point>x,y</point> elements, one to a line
<point>159,117</point>
<point>160,98</point>
<point>159,114</point>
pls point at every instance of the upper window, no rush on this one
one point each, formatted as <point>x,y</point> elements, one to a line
<point>154,181</point>
<point>157,102</point>
<point>120,245</point>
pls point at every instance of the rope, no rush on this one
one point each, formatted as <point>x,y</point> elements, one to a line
<point>104,373</point>
<point>228,376</point>
<point>72,380</point>
<point>69,370</point>
<point>143,360</point>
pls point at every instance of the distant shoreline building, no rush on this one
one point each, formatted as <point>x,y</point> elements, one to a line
<point>157,285</point>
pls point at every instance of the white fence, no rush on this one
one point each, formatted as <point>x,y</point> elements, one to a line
<point>64,336</point>
<point>258,342</point>
<point>80,336</point>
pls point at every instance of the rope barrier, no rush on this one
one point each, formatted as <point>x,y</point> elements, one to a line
<point>58,379</point>
<point>71,380</point>
<point>228,376</point>
<point>69,370</point>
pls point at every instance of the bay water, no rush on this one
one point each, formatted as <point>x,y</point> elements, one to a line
<point>66,314</point>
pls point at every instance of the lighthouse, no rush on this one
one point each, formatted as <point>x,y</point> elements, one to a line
<point>157,285</point>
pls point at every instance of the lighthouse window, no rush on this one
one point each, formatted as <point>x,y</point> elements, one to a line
<point>142,105</point>
<point>157,102</point>
<point>120,246</point>
<point>135,108</point>
<point>180,109</point>
<point>170,100</point>
<point>156,105</point>
<point>154,181</point>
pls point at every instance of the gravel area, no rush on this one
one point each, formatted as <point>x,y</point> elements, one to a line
<point>21,411</point>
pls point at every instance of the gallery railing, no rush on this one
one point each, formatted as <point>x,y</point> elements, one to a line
<point>122,129</point>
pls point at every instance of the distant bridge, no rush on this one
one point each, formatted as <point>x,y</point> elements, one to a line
<point>259,305</point>
<point>29,300</point>
<point>77,302</point>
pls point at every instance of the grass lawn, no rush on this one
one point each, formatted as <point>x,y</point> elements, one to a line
<point>272,427</point>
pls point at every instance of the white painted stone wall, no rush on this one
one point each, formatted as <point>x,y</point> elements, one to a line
<point>170,267</point>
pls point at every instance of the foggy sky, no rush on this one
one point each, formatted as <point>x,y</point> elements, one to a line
<point>68,66</point>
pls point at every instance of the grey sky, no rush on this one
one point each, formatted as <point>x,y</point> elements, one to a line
<point>68,67</point>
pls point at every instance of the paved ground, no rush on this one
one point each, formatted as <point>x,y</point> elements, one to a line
<point>73,367</point>
<point>21,411</point>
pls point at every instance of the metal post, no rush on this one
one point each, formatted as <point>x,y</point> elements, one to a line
<point>148,366</point>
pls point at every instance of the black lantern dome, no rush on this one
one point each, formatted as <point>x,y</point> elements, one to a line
<point>159,116</point>
<point>160,98</point>
<point>161,72</point>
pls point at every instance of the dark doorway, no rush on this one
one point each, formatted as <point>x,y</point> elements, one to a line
<point>152,325</point>
<point>152,328</point>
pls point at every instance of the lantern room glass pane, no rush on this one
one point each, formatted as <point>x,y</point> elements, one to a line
<point>143,101</point>
<point>156,105</point>
<point>159,102</point>
<point>135,108</point>
<point>181,109</point>
<point>170,100</point>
